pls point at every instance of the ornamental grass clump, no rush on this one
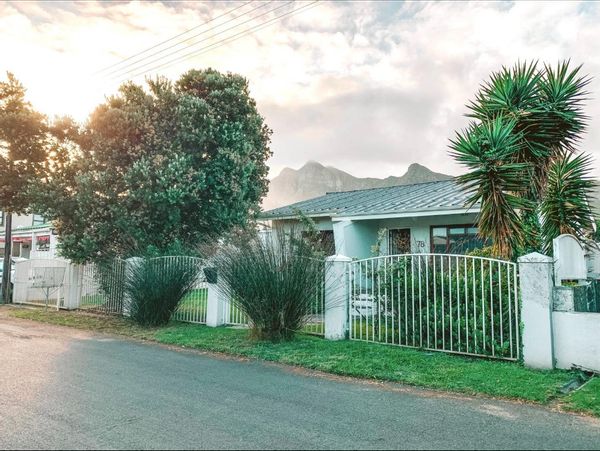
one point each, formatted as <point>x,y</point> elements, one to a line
<point>155,287</point>
<point>274,281</point>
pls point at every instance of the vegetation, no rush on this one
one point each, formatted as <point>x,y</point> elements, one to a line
<point>274,281</point>
<point>352,358</point>
<point>519,150</point>
<point>22,153</point>
<point>586,399</point>
<point>159,169</point>
<point>155,288</point>
<point>464,305</point>
<point>111,280</point>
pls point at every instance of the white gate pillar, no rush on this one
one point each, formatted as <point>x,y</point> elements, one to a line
<point>336,297</point>
<point>215,314</point>
<point>535,273</point>
<point>73,286</point>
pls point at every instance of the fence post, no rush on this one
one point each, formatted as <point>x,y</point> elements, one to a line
<point>535,273</point>
<point>336,297</point>
<point>214,300</point>
<point>74,282</point>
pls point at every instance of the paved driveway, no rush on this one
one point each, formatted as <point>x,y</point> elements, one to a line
<point>61,388</point>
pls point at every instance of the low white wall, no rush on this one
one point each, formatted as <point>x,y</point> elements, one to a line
<point>576,339</point>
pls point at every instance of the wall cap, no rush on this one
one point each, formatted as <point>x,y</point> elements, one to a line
<point>338,258</point>
<point>535,257</point>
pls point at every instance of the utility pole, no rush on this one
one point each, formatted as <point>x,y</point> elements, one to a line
<point>7,252</point>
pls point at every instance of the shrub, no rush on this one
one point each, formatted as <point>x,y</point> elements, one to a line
<point>156,286</point>
<point>274,281</point>
<point>458,305</point>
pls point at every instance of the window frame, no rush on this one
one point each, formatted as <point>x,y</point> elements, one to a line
<point>37,222</point>
<point>448,227</point>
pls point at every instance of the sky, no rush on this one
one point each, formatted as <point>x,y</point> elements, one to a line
<point>367,87</point>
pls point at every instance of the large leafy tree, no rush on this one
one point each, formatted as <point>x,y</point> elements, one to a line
<point>160,168</point>
<point>520,149</point>
<point>23,151</point>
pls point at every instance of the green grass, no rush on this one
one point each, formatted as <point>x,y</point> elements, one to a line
<point>586,399</point>
<point>352,358</point>
<point>193,305</point>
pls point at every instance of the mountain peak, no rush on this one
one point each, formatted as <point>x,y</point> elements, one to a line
<point>313,180</point>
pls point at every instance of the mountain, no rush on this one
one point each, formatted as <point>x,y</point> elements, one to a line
<point>313,180</point>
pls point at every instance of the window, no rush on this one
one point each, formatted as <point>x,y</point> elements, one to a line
<point>43,243</point>
<point>399,241</point>
<point>455,239</point>
<point>38,220</point>
<point>325,241</point>
<point>1,218</point>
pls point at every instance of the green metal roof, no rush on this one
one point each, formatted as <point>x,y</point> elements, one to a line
<point>29,228</point>
<point>420,197</point>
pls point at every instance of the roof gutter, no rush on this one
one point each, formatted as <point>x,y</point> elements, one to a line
<point>292,216</point>
<point>409,214</point>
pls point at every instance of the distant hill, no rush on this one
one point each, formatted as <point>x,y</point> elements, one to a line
<point>313,180</point>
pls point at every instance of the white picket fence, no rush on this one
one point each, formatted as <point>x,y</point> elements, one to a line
<point>41,282</point>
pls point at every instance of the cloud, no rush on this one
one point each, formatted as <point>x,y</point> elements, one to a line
<point>369,87</point>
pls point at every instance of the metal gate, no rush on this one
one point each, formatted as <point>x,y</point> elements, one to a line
<point>441,302</point>
<point>102,287</point>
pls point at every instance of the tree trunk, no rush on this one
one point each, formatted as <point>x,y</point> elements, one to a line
<point>7,252</point>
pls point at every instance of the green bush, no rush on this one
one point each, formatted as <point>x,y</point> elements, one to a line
<point>274,281</point>
<point>462,306</point>
<point>156,286</point>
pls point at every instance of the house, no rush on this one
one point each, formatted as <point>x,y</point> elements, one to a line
<point>419,218</point>
<point>32,237</point>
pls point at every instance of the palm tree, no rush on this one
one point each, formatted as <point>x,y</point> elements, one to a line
<point>519,151</point>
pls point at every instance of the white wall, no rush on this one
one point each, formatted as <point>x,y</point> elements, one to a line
<point>356,238</point>
<point>289,224</point>
<point>576,340</point>
<point>551,338</point>
<point>20,221</point>
<point>420,228</point>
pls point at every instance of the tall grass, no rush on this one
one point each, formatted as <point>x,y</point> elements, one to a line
<point>273,281</point>
<point>155,288</point>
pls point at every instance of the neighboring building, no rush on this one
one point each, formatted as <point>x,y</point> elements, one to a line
<point>419,218</point>
<point>32,237</point>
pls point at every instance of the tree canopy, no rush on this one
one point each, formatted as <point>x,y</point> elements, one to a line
<point>520,149</point>
<point>23,145</point>
<point>160,168</point>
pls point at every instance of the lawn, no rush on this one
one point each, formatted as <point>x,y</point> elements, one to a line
<point>586,399</point>
<point>352,358</point>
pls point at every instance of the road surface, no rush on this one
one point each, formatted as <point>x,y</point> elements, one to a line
<point>62,388</point>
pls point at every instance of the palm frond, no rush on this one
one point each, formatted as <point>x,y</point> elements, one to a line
<point>494,181</point>
<point>565,207</point>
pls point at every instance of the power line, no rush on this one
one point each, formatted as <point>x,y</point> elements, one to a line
<point>171,39</point>
<point>227,40</point>
<point>119,75</point>
<point>120,69</point>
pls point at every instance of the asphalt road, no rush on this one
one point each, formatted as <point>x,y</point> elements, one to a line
<point>61,388</point>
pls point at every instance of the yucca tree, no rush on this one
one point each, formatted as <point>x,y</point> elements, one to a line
<point>527,122</point>
<point>565,206</point>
